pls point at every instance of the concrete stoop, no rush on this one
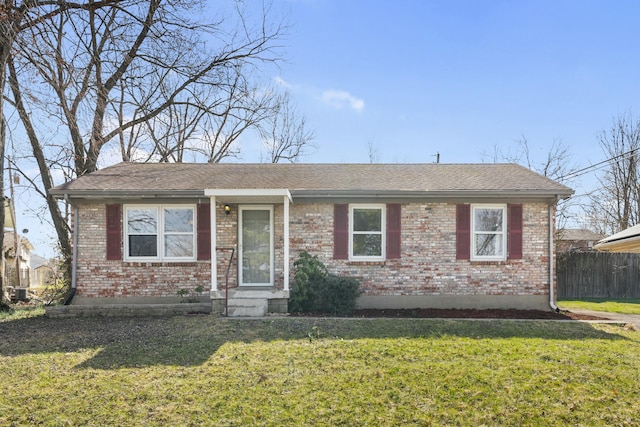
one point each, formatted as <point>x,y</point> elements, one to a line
<point>248,307</point>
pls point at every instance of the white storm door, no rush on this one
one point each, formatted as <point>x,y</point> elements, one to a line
<point>256,245</point>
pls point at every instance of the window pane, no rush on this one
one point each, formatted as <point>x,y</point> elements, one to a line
<point>488,219</point>
<point>178,220</point>
<point>367,220</point>
<point>145,245</point>
<point>367,245</point>
<point>178,246</point>
<point>142,221</point>
<point>488,245</point>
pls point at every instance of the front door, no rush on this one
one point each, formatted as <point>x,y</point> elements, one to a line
<point>256,245</point>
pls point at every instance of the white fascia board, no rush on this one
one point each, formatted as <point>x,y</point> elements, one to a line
<point>629,244</point>
<point>249,192</point>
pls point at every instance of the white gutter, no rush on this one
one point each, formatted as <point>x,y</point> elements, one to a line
<point>74,258</point>
<point>286,243</point>
<point>552,302</point>
<point>214,240</point>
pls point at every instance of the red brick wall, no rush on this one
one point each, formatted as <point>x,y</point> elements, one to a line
<point>97,277</point>
<point>428,264</point>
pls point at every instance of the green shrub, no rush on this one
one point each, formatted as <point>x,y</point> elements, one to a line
<point>315,290</point>
<point>309,273</point>
<point>338,295</point>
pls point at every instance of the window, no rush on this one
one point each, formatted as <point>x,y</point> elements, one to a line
<point>488,232</point>
<point>159,232</point>
<point>367,238</point>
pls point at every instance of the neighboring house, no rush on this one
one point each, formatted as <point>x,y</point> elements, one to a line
<point>576,239</point>
<point>43,272</point>
<point>23,261</point>
<point>413,235</point>
<point>625,241</point>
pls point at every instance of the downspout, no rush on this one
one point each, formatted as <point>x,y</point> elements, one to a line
<point>74,258</point>
<point>552,302</point>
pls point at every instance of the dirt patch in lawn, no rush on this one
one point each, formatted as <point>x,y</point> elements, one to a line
<point>469,314</point>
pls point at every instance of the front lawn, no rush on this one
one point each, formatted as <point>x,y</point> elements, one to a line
<point>625,306</point>
<point>204,370</point>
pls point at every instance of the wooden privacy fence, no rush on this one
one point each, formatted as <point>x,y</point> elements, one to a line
<point>598,275</point>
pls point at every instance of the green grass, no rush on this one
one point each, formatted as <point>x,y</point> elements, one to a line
<point>15,313</point>
<point>625,306</point>
<point>204,370</point>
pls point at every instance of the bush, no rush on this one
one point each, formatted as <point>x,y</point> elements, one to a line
<point>315,290</point>
<point>310,272</point>
<point>338,295</point>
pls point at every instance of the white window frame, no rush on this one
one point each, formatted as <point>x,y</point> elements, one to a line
<point>160,233</point>
<point>382,232</point>
<point>501,234</point>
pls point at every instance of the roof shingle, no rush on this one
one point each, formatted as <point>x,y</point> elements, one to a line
<point>427,178</point>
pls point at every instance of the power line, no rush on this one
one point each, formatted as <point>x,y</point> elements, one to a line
<point>596,166</point>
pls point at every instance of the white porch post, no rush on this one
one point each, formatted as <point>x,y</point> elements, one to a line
<point>286,243</point>
<point>214,255</point>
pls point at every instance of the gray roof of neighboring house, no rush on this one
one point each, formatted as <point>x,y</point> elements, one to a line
<point>579,234</point>
<point>9,241</point>
<point>314,180</point>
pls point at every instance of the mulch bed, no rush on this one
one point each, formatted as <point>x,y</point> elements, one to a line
<point>466,314</point>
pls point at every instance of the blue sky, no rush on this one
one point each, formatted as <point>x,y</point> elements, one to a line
<point>414,78</point>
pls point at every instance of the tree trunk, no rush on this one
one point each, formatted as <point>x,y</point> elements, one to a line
<point>57,217</point>
<point>6,40</point>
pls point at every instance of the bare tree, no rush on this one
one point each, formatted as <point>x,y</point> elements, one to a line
<point>556,164</point>
<point>615,205</point>
<point>373,151</point>
<point>145,76</point>
<point>285,135</point>
<point>17,18</point>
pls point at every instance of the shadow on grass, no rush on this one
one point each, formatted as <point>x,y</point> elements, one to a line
<point>192,340</point>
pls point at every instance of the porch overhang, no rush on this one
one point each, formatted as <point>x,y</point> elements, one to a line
<point>249,195</point>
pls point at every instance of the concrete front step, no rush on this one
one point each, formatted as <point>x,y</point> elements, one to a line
<point>247,307</point>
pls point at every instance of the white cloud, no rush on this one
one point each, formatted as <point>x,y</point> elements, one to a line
<point>340,99</point>
<point>279,81</point>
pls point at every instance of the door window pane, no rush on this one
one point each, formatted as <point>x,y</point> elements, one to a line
<point>256,246</point>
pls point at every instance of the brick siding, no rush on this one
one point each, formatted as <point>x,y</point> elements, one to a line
<point>428,264</point>
<point>97,277</point>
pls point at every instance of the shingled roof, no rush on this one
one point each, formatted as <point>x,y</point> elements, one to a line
<point>191,179</point>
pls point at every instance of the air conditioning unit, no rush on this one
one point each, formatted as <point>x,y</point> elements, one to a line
<point>20,294</point>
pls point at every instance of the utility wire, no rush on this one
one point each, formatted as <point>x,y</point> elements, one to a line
<point>596,166</point>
